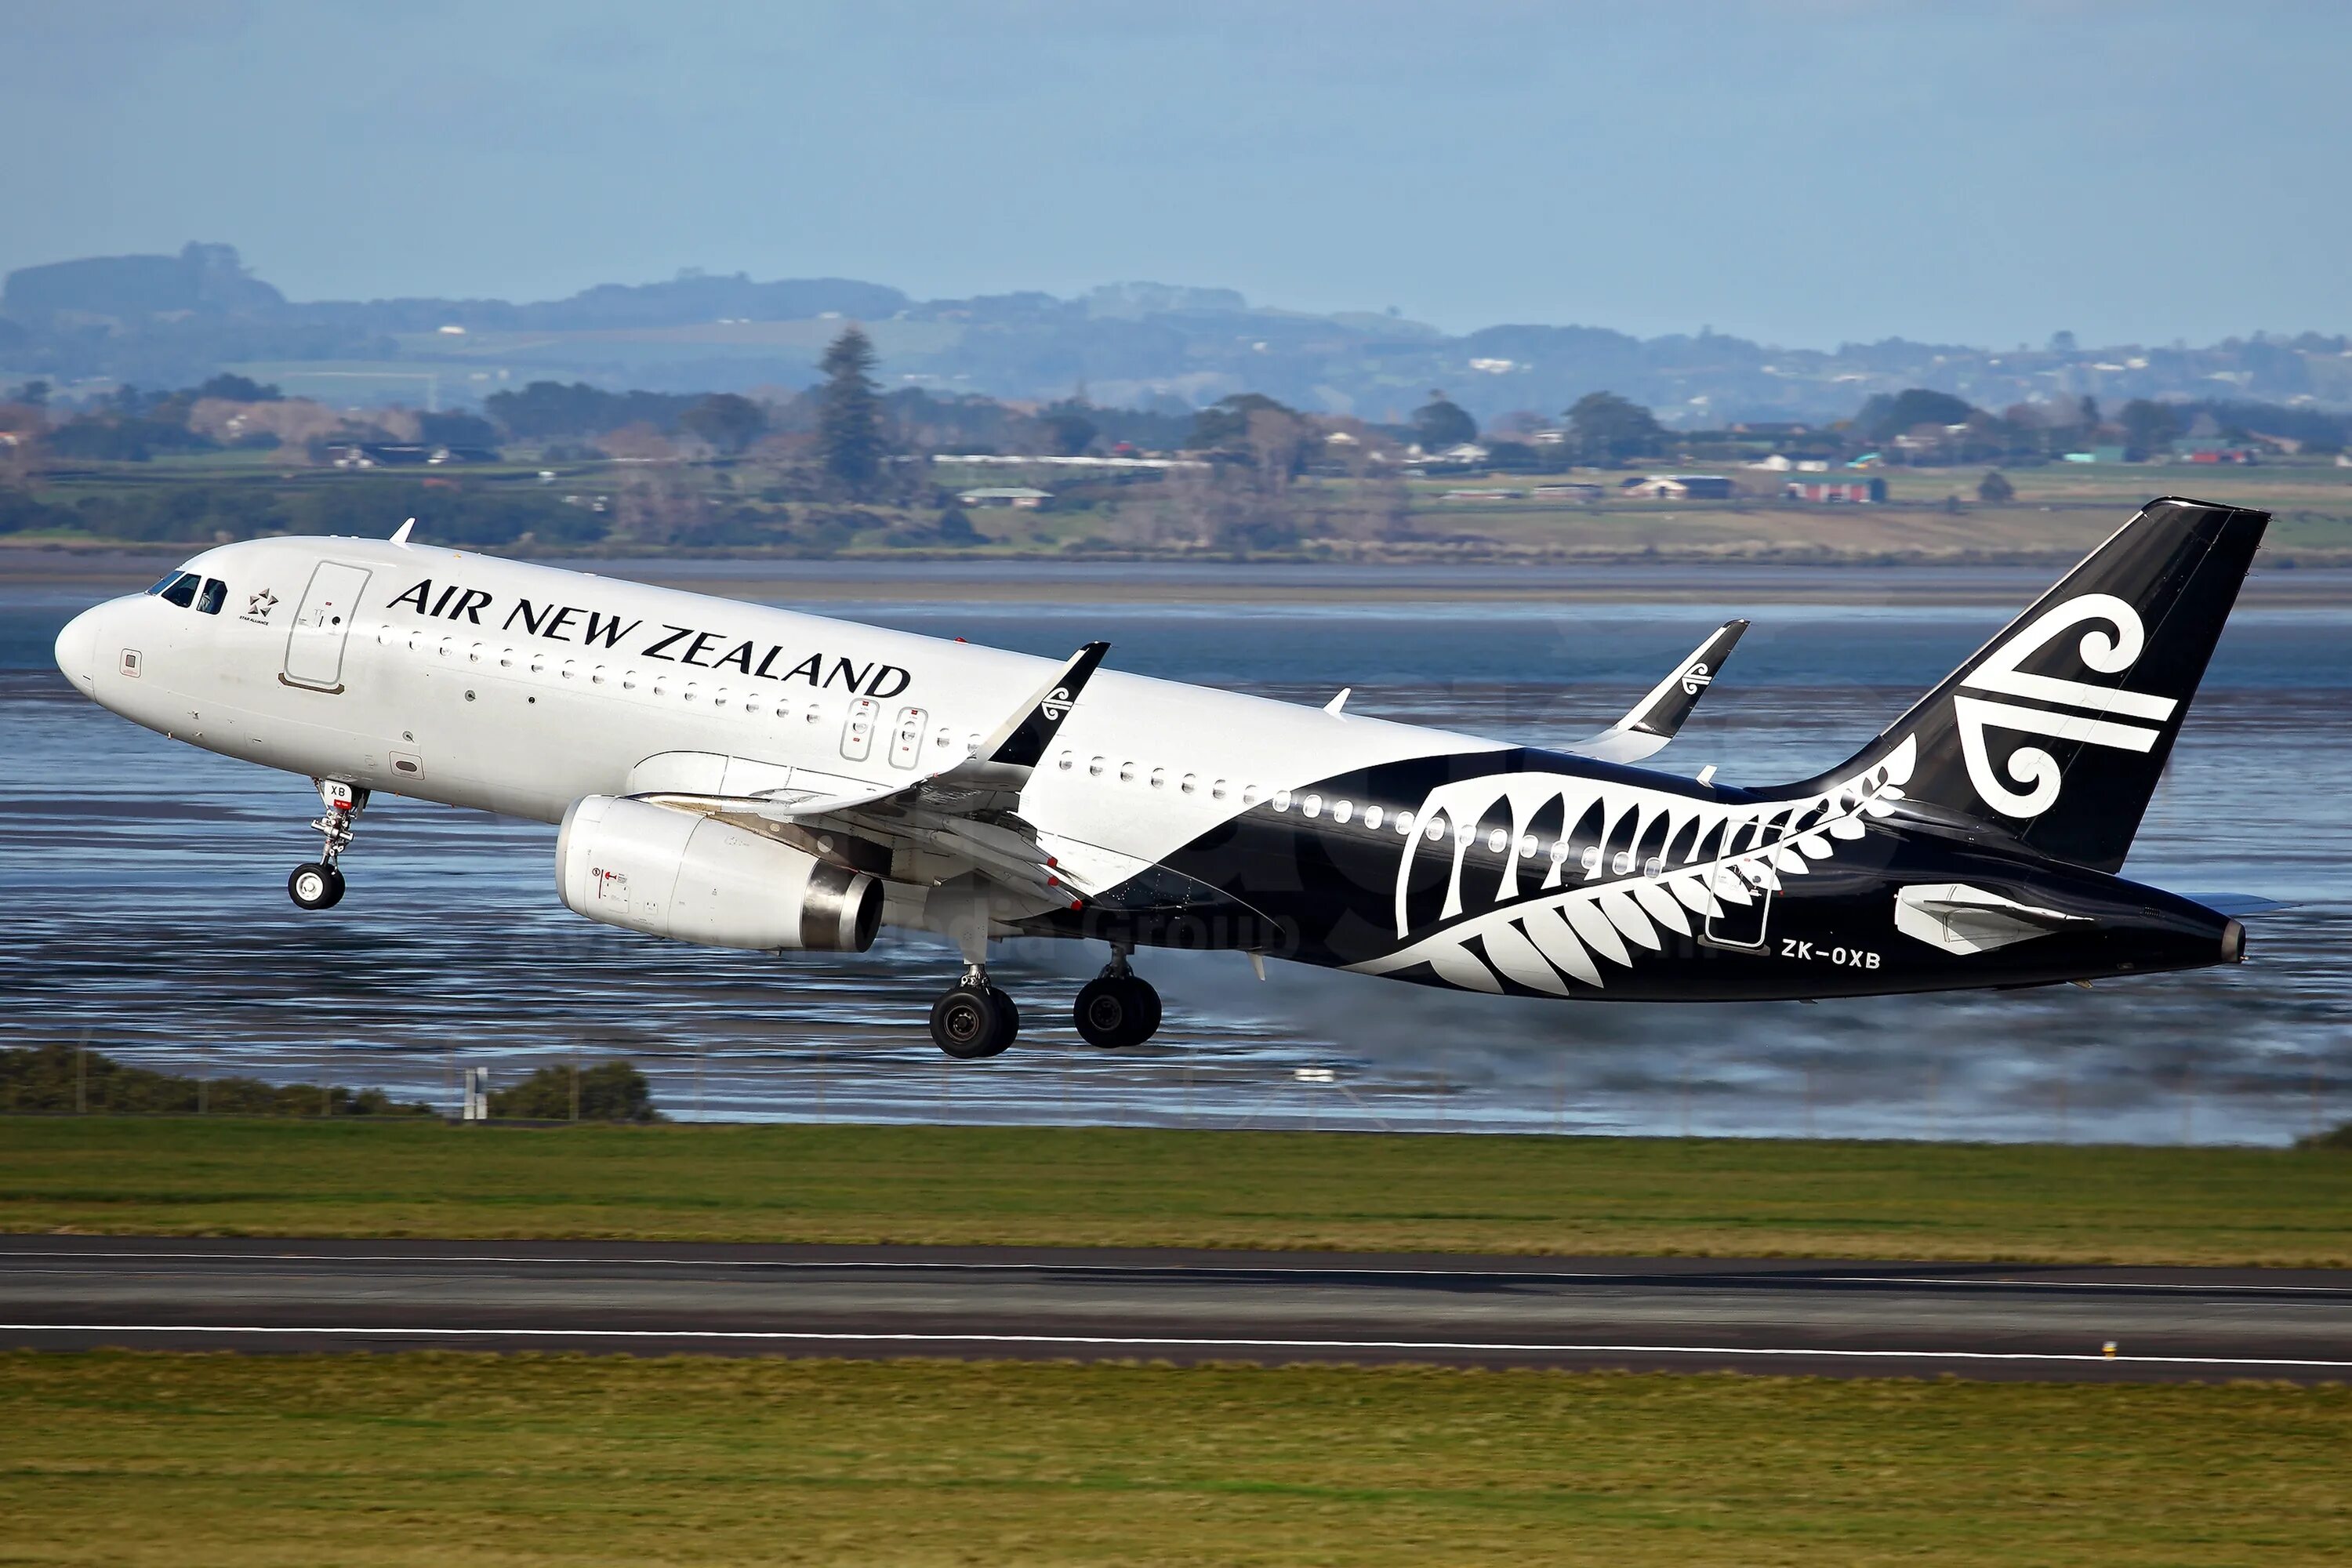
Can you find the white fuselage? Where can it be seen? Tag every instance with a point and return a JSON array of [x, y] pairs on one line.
[[518, 688]]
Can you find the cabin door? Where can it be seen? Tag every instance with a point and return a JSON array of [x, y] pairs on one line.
[[314, 648]]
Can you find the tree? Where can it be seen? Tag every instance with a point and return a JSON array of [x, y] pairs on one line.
[[1606, 428], [1883, 417], [2149, 426], [849, 413], [238, 389], [1070, 429], [1224, 424], [1441, 423], [1994, 489], [611, 1092], [727, 422]]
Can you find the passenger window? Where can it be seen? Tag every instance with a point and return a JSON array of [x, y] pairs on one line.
[[182, 593], [1373, 816], [214, 595], [1344, 810]]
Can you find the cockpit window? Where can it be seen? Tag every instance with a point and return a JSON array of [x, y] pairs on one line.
[[183, 591], [214, 595], [166, 580]]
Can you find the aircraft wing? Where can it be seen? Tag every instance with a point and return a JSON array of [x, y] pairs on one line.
[[1656, 717], [964, 817]]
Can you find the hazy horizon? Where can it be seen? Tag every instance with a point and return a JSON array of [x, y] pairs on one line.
[[1799, 174]]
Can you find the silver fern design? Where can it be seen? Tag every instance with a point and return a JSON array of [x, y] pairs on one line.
[[1565, 915]]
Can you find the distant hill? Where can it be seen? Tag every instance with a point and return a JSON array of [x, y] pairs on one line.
[[176, 319]]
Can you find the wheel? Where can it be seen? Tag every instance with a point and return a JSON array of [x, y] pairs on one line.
[[1114, 1011], [315, 887], [969, 1023]]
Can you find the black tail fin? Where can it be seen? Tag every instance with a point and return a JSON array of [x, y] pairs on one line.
[[2058, 729]]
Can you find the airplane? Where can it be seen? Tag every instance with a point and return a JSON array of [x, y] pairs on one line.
[[747, 777]]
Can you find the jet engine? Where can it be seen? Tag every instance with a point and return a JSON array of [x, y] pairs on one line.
[[678, 874]]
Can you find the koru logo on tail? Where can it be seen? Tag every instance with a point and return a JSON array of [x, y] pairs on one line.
[[1056, 704], [1695, 676], [2027, 781]]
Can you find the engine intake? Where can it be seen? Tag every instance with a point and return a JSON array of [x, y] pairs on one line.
[[677, 874]]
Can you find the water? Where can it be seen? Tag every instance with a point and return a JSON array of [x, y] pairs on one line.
[[145, 886]]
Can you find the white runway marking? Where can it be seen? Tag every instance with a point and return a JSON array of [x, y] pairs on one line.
[[1454, 1347]]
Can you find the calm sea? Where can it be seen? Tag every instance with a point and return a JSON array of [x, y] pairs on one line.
[[143, 883]]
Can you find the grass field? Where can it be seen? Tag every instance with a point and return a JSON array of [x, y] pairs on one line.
[[1122, 1187], [124, 1459]]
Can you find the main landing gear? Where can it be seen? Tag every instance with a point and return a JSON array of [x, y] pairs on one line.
[[975, 1019], [318, 884], [1115, 1009], [1118, 1007]]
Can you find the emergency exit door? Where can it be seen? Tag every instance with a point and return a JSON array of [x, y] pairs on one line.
[[314, 648]]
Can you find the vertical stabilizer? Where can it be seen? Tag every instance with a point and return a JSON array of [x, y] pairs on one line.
[[2058, 729]]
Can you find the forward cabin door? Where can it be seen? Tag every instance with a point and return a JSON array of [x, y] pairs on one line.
[[314, 648]]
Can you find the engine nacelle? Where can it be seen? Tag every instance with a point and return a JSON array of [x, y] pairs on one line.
[[678, 874]]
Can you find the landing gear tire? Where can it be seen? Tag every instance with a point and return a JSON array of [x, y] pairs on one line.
[[1114, 1011], [974, 1021], [315, 887]]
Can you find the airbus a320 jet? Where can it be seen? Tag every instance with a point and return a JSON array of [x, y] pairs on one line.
[[746, 777]]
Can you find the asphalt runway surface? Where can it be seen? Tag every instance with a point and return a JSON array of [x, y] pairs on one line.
[[1861, 1319]]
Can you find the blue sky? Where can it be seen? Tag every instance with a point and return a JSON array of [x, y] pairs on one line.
[[1800, 170]]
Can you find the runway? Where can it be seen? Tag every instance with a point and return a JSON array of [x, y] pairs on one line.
[[1875, 1318]]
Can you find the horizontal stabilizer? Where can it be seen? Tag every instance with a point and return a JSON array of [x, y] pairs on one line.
[[1957, 918]]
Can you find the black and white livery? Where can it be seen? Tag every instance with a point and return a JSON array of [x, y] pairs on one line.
[[747, 777]]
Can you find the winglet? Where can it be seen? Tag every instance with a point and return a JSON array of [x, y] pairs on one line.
[[1021, 740], [1339, 701], [1655, 719], [400, 534], [1661, 712]]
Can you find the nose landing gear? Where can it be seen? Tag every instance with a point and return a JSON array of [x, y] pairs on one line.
[[1118, 1007], [318, 884], [976, 1019]]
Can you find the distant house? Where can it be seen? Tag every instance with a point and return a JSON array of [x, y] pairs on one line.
[[2212, 452], [1776, 463], [1479, 494], [1020, 497], [1836, 492], [1587, 493], [2097, 454], [1677, 487], [402, 454]]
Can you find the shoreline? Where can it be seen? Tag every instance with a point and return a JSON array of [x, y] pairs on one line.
[[1997, 579]]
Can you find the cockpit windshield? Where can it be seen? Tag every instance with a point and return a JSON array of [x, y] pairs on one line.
[[188, 589]]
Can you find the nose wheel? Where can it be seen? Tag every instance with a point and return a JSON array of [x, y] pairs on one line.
[[1117, 1009], [975, 1019], [318, 884], [315, 886]]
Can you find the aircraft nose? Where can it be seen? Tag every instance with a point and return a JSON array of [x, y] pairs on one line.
[[77, 650]]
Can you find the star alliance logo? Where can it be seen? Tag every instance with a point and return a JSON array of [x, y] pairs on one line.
[[258, 606]]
